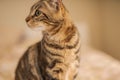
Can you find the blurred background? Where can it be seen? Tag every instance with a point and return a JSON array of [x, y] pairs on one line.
[[97, 20]]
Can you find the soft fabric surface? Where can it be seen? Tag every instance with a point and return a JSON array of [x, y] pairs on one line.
[[95, 65]]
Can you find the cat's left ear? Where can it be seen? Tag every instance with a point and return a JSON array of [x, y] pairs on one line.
[[56, 3]]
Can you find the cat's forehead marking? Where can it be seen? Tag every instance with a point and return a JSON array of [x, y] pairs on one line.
[[36, 5]]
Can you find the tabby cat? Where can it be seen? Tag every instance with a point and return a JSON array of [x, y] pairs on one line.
[[56, 56]]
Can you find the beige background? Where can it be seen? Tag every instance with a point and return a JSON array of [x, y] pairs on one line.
[[101, 19], [98, 21]]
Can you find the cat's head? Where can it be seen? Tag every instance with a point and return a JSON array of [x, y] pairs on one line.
[[46, 14]]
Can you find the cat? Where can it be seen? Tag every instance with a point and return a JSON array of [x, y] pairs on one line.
[[56, 56]]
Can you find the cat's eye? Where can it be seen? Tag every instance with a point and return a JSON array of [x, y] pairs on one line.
[[37, 13]]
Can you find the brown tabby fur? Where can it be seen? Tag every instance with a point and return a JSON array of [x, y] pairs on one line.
[[56, 57]]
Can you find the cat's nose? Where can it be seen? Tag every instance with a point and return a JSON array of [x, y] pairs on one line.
[[28, 19]]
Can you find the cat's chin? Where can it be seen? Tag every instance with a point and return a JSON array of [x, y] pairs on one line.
[[38, 28]]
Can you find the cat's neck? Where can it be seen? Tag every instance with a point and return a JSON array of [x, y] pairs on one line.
[[62, 33], [66, 35]]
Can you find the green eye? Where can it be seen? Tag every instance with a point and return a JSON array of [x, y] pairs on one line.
[[37, 13]]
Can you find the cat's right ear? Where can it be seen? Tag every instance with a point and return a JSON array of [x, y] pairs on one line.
[[56, 3]]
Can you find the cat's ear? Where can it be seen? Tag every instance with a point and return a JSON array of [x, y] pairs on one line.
[[56, 0], [56, 3]]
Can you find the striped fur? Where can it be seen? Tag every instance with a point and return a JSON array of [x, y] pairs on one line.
[[56, 56]]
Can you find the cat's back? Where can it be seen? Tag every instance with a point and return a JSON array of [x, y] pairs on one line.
[[28, 67]]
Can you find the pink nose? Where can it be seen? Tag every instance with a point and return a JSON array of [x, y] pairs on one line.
[[28, 19]]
